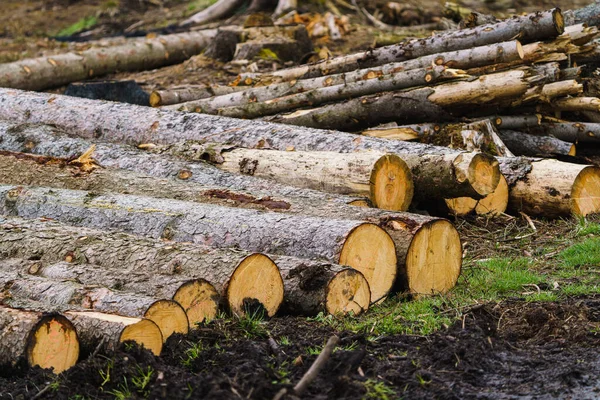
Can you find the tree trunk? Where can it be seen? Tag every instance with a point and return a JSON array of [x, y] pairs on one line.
[[551, 188], [30, 292], [47, 340], [94, 328], [411, 233], [517, 122], [47, 72], [135, 125], [523, 144], [327, 94], [589, 15], [573, 132], [220, 9], [180, 95], [528, 28], [576, 104], [413, 106], [363, 246]]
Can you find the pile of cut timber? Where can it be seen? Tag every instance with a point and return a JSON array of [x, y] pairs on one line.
[[121, 222]]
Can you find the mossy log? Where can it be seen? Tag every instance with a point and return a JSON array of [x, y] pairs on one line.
[[45, 340]]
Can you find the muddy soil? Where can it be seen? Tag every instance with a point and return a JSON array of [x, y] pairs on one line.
[[511, 350]]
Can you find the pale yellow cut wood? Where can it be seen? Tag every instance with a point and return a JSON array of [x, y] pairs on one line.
[[496, 202], [146, 333], [348, 292], [461, 206], [391, 184], [405, 134], [482, 173], [434, 259], [53, 344], [370, 250], [256, 278], [586, 192], [199, 299], [169, 316]]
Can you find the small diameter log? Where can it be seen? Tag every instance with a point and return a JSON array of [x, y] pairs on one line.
[[517, 122], [94, 328], [218, 10], [166, 97], [528, 28], [138, 125], [363, 246], [573, 132], [417, 105], [328, 94], [551, 188], [385, 179], [27, 291], [468, 58], [46, 340], [409, 231], [523, 144], [98, 258], [576, 104], [46, 72], [493, 204]]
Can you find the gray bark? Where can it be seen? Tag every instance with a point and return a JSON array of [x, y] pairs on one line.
[[523, 144], [180, 95]]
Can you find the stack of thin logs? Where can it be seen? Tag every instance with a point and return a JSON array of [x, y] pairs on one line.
[[134, 223]]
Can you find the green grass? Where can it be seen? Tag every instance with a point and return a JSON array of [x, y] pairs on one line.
[[378, 390], [584, 254], [586, 229], [79, 26]]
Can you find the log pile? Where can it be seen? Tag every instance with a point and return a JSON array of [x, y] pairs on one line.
[[132, 223]]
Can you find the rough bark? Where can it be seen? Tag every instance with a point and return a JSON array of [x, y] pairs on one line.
[[413, 106], [46, 72], [363, 246], [468, 58], [529, 28], [220, 9], [589, 15], [576, 104], [29, 335], [400, 80], [180, 95], [523, 144], [551, 188], [108, 331], [572, 132], [135, 125], [408, 231]]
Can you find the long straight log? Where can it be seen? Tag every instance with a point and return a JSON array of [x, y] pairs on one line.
[[401, 80], [166, 97], [573, 132], [108, 331], [27, 291], [411, 233], [551, 188], [523, 144], [413, 106], [137, 125], [461, 59], [363, 246], [528, 28], [46, 340], [46, 72]]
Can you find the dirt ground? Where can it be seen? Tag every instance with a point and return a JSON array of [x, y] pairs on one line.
[[514, 349]]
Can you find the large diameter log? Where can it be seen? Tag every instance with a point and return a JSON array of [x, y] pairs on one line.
[[136, 125], [46, 72], [410, 232], [363, 246], [181, 95], [523, 144], [552, 188], [461, 59], [528, 28], [110, 330], [27, 291], [417, 105], [46, 340]]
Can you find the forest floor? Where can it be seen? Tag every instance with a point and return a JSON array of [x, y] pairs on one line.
[[522, 323]]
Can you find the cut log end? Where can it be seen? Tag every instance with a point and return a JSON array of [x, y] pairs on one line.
[[494, 203], [169, 316], [434, 259], [370, 250], [559, 21], [520, 50], [155, 100], [483, 174], [573, 150], [256, 279], [461, 206], [199, 299], [53, 344], [145, 333], [391, 184], [348, 292], [585, 193]]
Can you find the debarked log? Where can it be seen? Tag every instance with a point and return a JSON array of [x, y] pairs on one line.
[[551, 188], [47, 340], [363, 246]]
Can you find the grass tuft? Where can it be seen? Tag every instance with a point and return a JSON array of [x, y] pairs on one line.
[[79, 26]]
